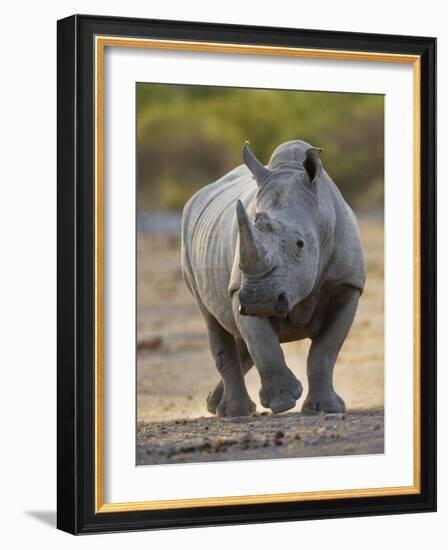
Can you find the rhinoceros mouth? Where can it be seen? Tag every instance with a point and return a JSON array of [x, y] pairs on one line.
[[279, 307]]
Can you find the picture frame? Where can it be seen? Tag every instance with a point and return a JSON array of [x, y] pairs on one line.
[[82, 42]]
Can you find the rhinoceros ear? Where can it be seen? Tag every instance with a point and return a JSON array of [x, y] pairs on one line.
[[259, 171], [312, 163]]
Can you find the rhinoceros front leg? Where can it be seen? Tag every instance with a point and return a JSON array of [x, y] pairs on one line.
[[324, 351], [235, 400], [280, 389]]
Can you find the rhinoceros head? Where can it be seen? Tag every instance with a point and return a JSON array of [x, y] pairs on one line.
[[279, 248]]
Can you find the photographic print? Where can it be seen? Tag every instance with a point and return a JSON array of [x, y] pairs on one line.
[[260, 274]]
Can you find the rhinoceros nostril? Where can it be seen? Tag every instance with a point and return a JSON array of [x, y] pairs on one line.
[[282, 303], [242, 310]]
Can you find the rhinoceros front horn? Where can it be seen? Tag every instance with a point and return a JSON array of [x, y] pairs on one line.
[[253, 256], [259, 171]]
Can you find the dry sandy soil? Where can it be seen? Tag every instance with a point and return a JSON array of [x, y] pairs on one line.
[[175, 373]]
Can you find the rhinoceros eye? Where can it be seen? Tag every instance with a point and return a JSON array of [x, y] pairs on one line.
[[300, 243]]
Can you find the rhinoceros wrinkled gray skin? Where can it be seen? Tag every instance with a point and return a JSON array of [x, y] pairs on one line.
[[273, 254]]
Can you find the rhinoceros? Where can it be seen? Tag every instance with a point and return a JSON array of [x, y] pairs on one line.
[[273, 254]]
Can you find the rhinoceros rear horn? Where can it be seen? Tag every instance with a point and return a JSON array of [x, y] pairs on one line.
[[259, 171], [312, 163], [253, 257]]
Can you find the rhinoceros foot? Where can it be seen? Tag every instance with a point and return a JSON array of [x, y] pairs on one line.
[[329, 402], [220, 404], [241, 406], [280, 392]]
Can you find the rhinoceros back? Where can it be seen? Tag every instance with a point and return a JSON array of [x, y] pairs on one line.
[[209, 235]]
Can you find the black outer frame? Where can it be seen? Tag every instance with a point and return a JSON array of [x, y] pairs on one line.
[[75, 173]]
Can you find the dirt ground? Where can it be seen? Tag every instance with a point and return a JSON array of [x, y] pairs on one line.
[[175, 373]]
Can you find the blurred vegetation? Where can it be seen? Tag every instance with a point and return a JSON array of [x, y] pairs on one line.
[[189, 136]]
